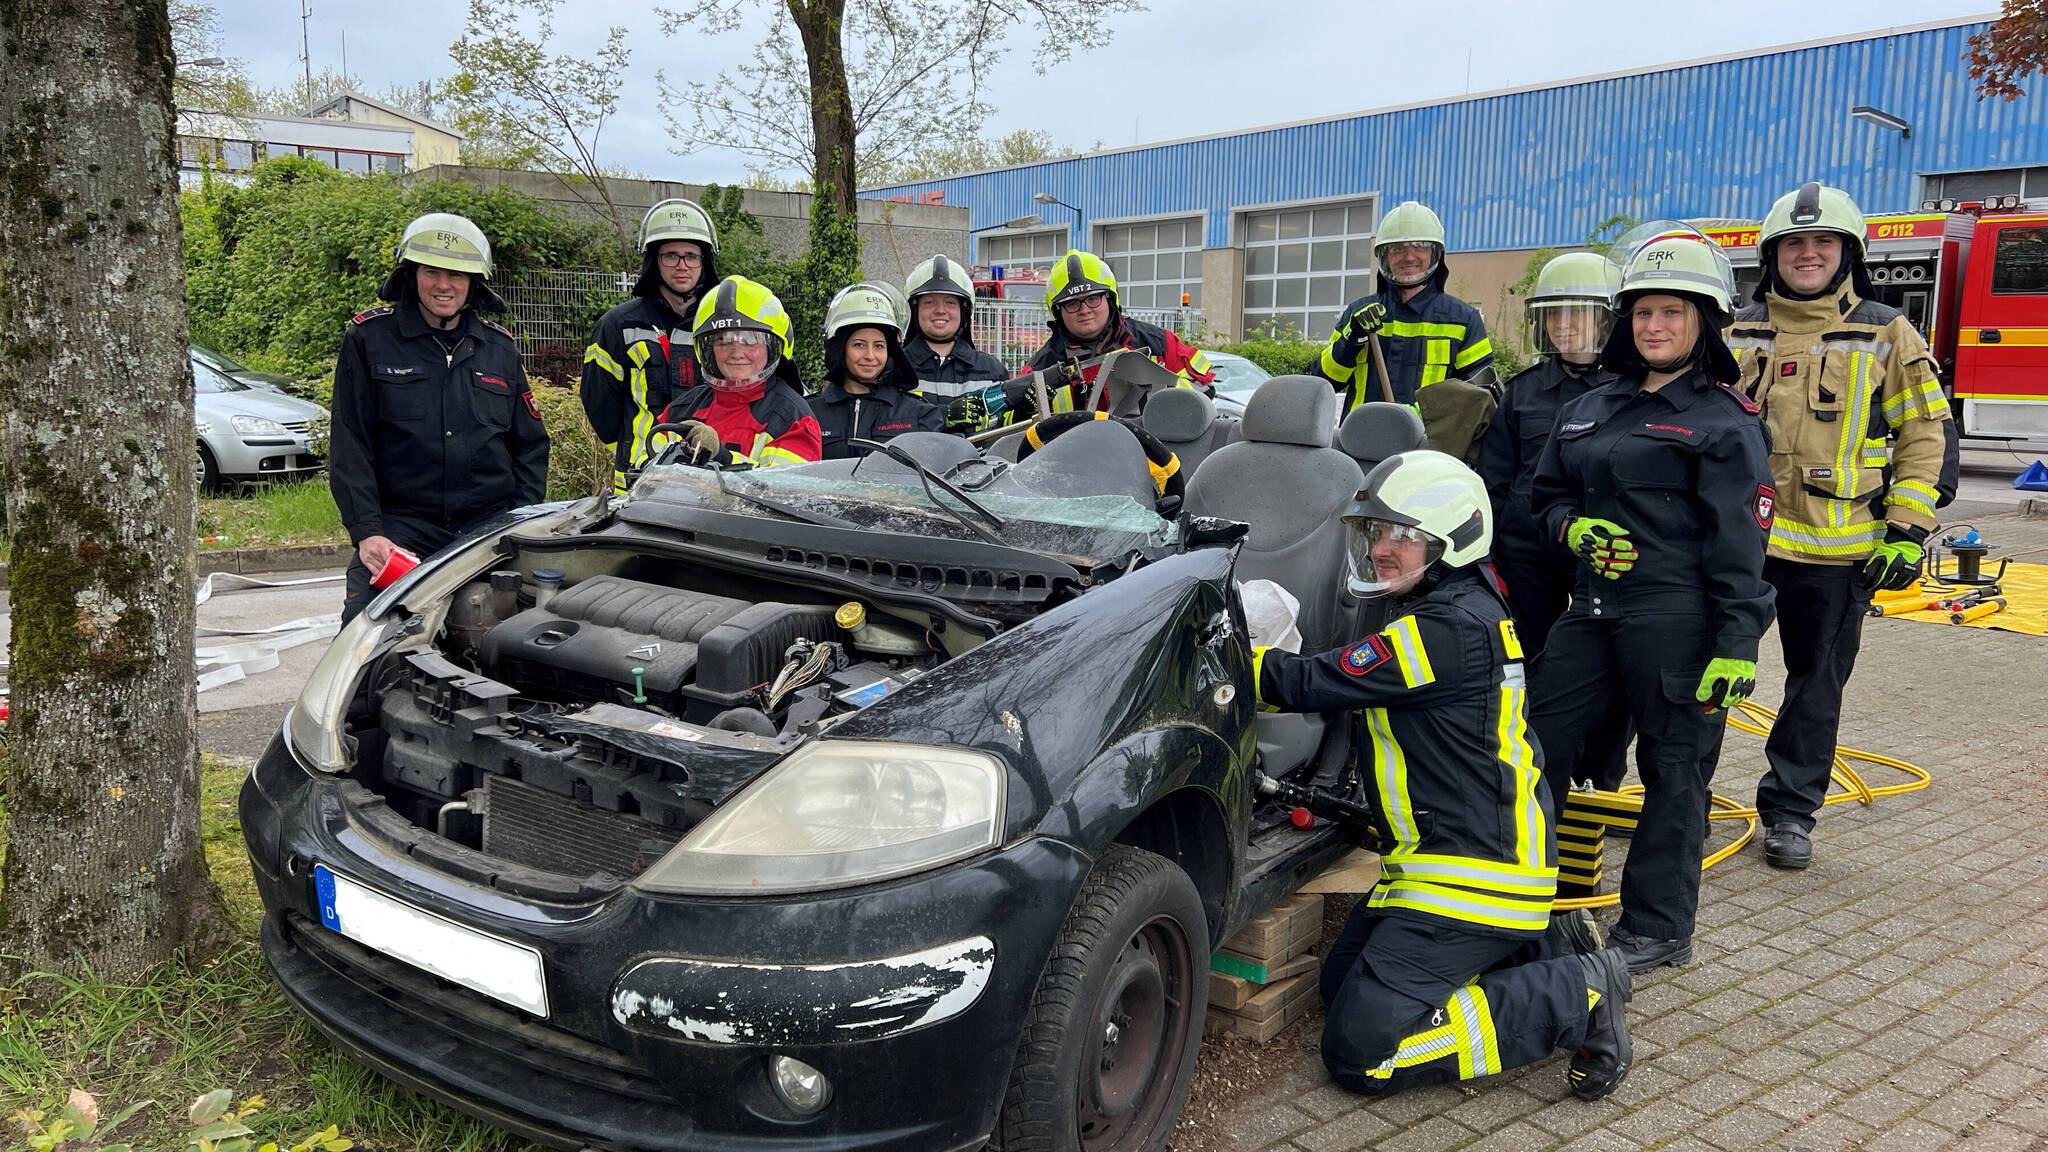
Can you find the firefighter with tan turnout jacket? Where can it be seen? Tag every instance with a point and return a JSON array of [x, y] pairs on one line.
[[1450, 969], [640, 355], [1858, 426]]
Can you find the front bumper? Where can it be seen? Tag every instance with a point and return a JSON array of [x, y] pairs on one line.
[[663, 1011], [275, 457]]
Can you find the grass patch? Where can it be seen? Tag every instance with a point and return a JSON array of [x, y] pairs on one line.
[[270, 517], [180, 1034]]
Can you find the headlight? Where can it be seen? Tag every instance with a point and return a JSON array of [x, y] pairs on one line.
[[839, 813], [256, 426], [314, 725]]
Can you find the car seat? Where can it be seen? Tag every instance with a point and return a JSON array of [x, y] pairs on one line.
[[1185, 420], [1377, 430]]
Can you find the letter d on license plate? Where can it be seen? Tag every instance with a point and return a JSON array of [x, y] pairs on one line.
[[434, 944]]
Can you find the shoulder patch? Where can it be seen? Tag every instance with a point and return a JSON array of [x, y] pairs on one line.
[[373, 313], [1736, 394], [1766, 505], [1367, 655], [494, 326]]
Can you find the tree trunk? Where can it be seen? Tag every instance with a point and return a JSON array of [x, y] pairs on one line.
[[104, 870], [832, 128]]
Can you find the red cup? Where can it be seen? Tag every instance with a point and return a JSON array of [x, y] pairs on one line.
[[397, 564]]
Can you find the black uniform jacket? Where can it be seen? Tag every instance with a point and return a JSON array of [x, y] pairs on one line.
[[1514, 443], [1455, 778], [1686, 469], [878, 415], [962, 364], [431, 426]]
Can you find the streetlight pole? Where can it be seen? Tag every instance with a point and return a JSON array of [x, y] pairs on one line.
[[1080, 220]]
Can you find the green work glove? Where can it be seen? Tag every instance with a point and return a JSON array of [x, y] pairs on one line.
[[1726, 683], [1602, 544], [1894, 564]]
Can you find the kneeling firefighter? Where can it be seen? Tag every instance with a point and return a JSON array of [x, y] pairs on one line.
[[1443, 972], [752, 397]]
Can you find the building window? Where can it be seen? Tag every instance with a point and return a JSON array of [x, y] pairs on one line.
[[2020, 267], [1303, 265], [391, 164], [324, 155], [197, 151], [1022, 251], [355, 163], [2026, 183], [1155, 264], [240, 155]]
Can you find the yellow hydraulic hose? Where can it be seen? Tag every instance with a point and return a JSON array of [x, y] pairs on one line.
[[1757, 720]]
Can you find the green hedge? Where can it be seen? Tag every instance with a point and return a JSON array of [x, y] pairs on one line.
[[1280, 357], [274, 269]]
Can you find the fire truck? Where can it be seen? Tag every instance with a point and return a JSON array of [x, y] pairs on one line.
[[1973, 278]]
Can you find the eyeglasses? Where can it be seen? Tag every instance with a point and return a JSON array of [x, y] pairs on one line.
[[1410, 248], [1074, 304], [1377, 530], [681, 259], [740, 339]]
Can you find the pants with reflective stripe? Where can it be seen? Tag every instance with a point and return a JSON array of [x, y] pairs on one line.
[[1652, 662], [1539, 590], [1419, 1000], [1820, 625]]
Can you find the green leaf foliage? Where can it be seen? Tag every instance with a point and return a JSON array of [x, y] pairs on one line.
[[1281, 357], [276, 268]]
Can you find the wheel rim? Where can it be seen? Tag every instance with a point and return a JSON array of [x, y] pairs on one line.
[[1136, 1033]]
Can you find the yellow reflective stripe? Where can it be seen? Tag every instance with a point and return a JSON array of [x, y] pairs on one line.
[[1913, 495], [595, 354], [1480, 1055], [1258, 666], [1468, 872], [1510, 640], [1436, 352], [1341, 373], [1433, 374], [1161, 473], [643, 420], [1196, 363], [769, 456], [1390, 774], [1519, 755], [1421, 1048], [1463, 904], [1062, 400], [1923, 399], [618, 482], [1477, 350], [1410, 651], [639, 354], [1417, 328], [1825, 541]]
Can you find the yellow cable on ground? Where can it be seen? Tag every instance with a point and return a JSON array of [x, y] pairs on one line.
[[1756, 720]]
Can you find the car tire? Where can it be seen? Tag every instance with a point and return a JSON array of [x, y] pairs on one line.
[[1108, 1051], [205, 472]]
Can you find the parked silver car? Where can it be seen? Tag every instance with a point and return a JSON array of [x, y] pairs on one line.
[[249, 434], [267, 381], [1236, 379]]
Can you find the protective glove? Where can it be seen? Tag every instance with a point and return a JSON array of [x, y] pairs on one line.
[[1726, 683], [1602, 544], [1894, 564], [693, 443], [967, 414], [1358, 328], [1018, 397]]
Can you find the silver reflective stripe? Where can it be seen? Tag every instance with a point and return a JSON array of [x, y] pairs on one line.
[[1474, 1031], [1533, 915], [946, 388], [1472, 877], [1512, 676], [1879, 348]]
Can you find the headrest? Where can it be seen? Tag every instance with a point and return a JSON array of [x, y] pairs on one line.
[[1377, 430], [1292, 410], [1179, 415]]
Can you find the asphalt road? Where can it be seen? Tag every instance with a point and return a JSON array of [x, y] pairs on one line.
[[238, 719]]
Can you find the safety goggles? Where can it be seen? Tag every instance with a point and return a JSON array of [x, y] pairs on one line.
[[743, 338], [1410, 248]]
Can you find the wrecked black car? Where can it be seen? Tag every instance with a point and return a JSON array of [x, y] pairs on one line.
[[891, 803]]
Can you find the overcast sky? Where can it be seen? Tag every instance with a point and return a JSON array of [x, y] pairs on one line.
[[1185, 68]]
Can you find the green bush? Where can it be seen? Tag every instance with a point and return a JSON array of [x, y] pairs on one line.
[[1279, 355], [274, 269], [578, 464]]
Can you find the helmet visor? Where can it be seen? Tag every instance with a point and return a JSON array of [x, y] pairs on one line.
[[1409, 262], [1382, 558], [1569, 327]]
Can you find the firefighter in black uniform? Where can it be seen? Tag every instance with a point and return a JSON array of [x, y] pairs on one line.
[[870, 392], [434, 429], [1660, 481], [640, 355], [961, 379], [1442, 973]]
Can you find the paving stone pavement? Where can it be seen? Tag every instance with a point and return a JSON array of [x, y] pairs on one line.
[[1892, 997]]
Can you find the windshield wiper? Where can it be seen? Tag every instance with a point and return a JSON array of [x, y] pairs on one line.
[[821, 519], [929, 478]]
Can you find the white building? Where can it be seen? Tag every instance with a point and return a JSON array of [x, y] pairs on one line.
[[230, 145]]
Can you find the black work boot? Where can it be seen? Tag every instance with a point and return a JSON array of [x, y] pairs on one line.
[[1788, 846], [1601, 1062], [1572, 933], [1647, 953]]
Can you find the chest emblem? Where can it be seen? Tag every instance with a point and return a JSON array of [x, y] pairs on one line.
[[1788, 368], [1579, 426]]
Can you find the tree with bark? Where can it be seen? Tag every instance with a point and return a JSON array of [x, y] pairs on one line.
[[845, 91], [2014, 47], [103, 871], [520, 104]]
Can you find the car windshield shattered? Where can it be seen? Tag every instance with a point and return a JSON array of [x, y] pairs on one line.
[[882, 495]]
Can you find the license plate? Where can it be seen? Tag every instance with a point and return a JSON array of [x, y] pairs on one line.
[[434, 944]]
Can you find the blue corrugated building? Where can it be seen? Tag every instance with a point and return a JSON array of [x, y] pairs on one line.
[[1272, 226]]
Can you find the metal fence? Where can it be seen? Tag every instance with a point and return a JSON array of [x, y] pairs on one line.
[[1013, 331], [552, 311]]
